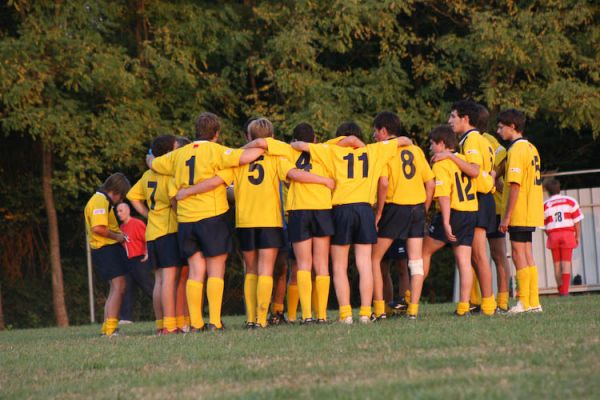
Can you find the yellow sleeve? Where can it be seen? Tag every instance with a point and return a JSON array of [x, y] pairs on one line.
[[500, 155], [100, 212], [283, 167], [137, 192], [227, 175], [514, 167], [386, 150], [172, 188], [471, 152], [387, 170], [229, 158], [335, 140], [443, 183], [321, 153], [278, 148], [165, 164]]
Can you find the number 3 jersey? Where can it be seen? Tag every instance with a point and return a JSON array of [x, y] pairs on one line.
[[191, 164], [356, 171], [257, 191], [303, 196], [451, 182], [153, 189], [523, 168], [407, 173]]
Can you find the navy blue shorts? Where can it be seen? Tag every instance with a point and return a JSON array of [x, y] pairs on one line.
[[397, 251], [260, 238], [306, 224], [402, 221], [462, 224], [211, 236], [496, 234], [164, 252], [110, 261], [354, 224], [486, 212], [523, 234]]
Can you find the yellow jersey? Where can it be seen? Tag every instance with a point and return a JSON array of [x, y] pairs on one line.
[[99, 211], [257, 191], [356, 171], [153, 188], [478, 151], [303, 196], [499, 157], [523, 166], [195, 162], [451, 182], [407, 172]]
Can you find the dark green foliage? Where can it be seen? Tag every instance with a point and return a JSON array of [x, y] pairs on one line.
[[95, 81]]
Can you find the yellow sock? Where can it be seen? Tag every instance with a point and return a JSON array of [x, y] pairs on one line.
[[305, 292], [345, 311], [103, 329], [322, 283], [379, 307], [488, 305], [475, 298], [250, 296], [462, 308], [193, 292], [407, 296], [534, 294], [523, 283], [186, 321], [413, 309], [214, 293], [111, 325], [502, 300], [277, 308], [180, 321], [364, 311], [158, 324], [264, 289], [170, 323], [314, 299], [292, 302]]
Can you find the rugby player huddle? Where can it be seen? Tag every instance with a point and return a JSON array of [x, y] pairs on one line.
[[341, 193]]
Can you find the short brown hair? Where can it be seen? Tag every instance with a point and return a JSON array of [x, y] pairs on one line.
[[444, 133], [117, 183], [260, 128], [207, 126], [552, 186]]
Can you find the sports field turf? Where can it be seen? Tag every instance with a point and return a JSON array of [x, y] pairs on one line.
[[551, 355]]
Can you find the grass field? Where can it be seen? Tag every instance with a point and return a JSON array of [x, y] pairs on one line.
[[551, 355]]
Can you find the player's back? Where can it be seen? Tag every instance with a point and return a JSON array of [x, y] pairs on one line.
[[407, 173], [153, 188], [561, 212], [478, 150], [451, 182]]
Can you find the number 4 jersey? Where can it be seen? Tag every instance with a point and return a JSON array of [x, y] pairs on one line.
[[523, 168], [451, 182], [153, 189]]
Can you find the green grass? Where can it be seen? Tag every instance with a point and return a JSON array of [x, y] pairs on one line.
[[551, 355]]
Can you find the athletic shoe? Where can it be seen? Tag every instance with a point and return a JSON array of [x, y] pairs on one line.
[[518, 308], [475, 309], [322, 321], [166, 332], [277, 319], [185, 329], [502, 311], [348, 320], [411, 317], [399, 307], [116, 333], [250, 326], [125, 322], [375, 318], [363, 319], [197, 330], [536, 309], [307, 321], [467, 314], [214, 328]]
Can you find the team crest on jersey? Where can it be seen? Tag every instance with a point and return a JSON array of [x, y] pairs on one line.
[[99, 211], [228, 152], [439, 183], [515, 170], [472, 151]]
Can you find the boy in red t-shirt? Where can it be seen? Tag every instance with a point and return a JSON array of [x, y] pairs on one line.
[[562, 218]]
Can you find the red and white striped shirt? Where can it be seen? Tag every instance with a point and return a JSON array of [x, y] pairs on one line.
[[561, 213]]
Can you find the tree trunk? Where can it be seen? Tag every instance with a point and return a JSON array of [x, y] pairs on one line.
[[2, 325], [58, 291]]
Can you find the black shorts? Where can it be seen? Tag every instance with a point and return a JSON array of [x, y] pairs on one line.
[[212, 236], [521, 234], [496, 234], [462, 224], [486, 212], [402, 221], [110, 261], [260, 238], [397, 251], [306, 224], [354, 224], [164, 252]]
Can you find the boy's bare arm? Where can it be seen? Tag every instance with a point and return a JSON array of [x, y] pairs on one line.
[[302, 176], [382, 188], [140, 207], [429, 191], [200, 187], [513, 194]]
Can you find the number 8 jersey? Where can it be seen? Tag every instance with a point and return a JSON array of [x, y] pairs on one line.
[[523, 167], [407, 174]]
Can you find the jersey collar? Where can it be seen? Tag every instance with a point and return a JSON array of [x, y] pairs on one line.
[[464, 136], [110, 203], [515, 141]]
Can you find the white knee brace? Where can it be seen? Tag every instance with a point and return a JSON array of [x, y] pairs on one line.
[[416, 267]]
